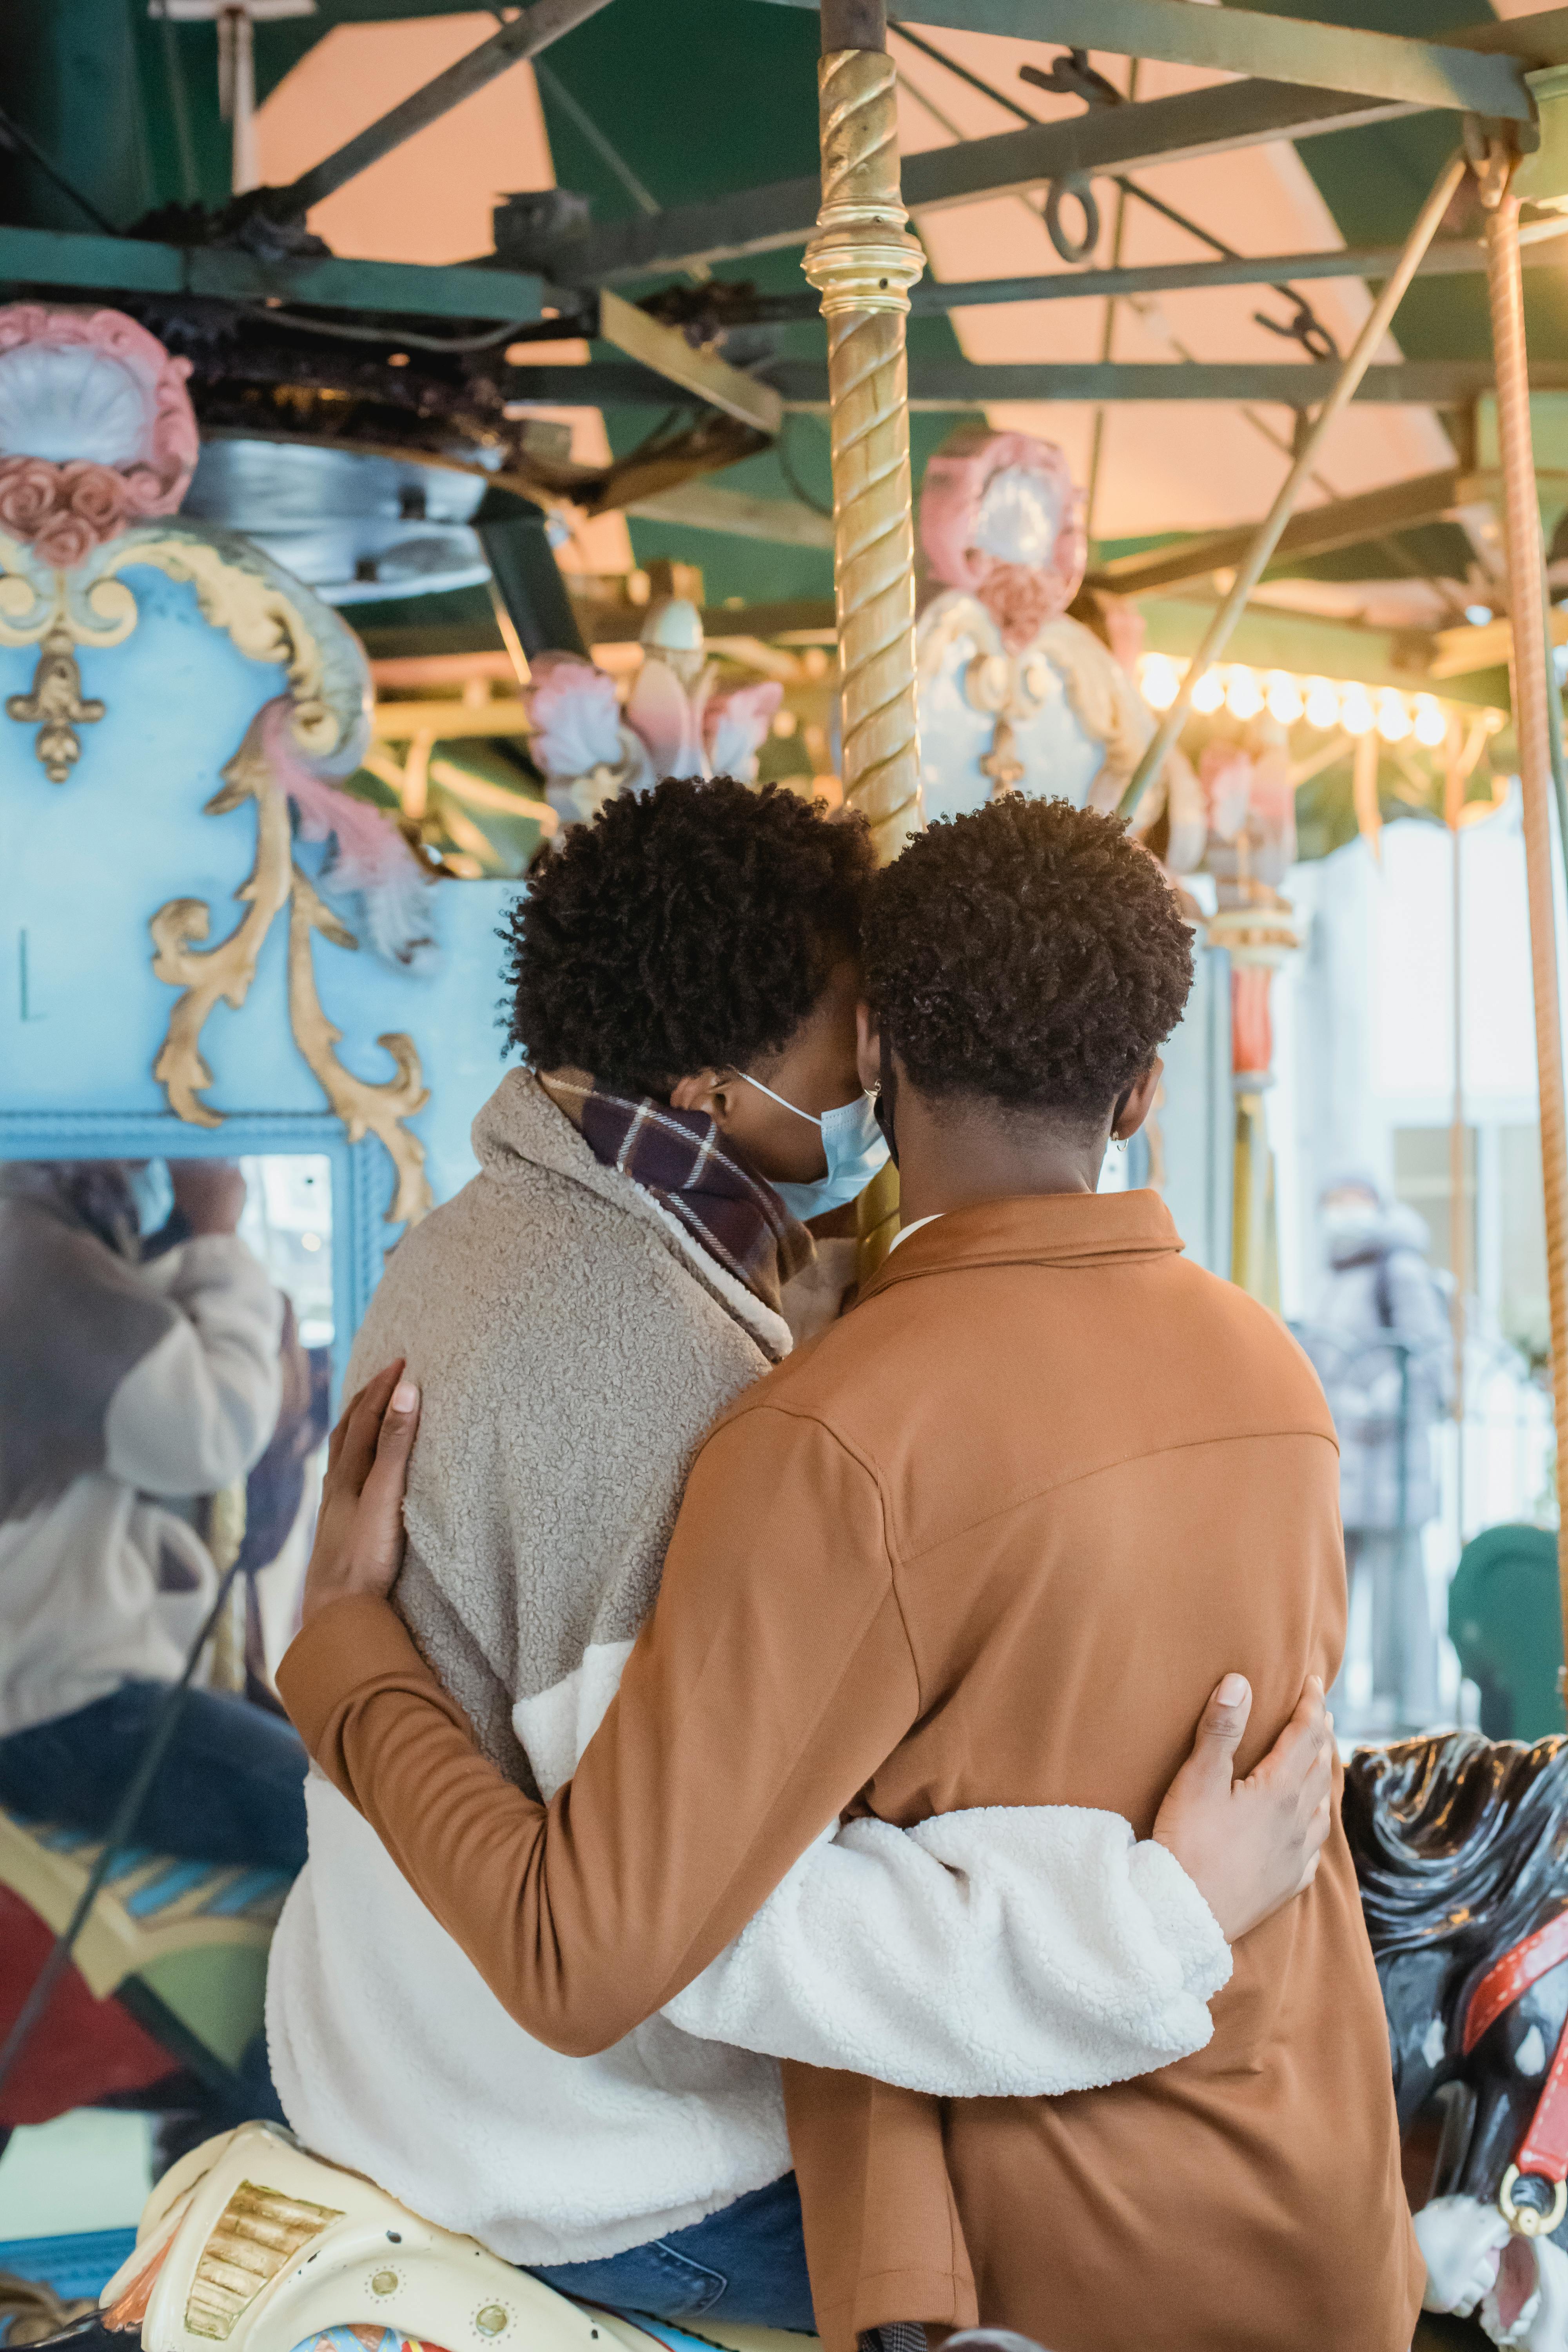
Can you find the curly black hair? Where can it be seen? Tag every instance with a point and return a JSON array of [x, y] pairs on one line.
[[693, 927], [1031, 953]]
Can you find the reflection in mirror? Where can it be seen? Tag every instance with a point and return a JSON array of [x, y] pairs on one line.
[[137, 1356], [287, 1222]]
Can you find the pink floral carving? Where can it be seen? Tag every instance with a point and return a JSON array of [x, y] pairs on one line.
[[65, 540], [27, 494], [955, 482], [1020, 598], [66, 510]]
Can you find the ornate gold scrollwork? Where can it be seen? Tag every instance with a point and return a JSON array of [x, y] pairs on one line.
[[57, 612], [225, 972], [90, 605], [360, 1103], [256, 612]]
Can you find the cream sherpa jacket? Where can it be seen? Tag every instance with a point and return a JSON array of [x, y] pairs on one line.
[[574, 1344]]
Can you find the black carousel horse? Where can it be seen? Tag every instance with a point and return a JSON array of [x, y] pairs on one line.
[[1461, 1848]]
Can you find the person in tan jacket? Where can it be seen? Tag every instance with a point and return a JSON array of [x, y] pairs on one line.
[[976, 1546]]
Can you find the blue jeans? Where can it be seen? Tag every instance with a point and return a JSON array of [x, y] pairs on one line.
[[231, 1787], [745, 2263]]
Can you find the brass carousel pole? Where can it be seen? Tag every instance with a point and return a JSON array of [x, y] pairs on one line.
[[1527, 601], [863, 262]]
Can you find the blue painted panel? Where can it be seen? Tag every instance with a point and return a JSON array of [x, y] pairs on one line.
[[84, 866], [80, 2264]]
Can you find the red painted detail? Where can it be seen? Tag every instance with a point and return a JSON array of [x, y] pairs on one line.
[[1513, 1974], [82, 2049]]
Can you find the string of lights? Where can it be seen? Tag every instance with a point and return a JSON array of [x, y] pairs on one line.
[[1320, 702]]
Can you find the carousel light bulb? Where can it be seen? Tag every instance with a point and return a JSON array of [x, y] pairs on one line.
[[1243, 695], [1160, 681], [1392, 716], [1285, 702], [1322, 704], [1356, 713], [1430, 724], [1208, 693]]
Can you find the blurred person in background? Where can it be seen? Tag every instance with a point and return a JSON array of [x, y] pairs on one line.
[[1382, 1345], [136, 1380]]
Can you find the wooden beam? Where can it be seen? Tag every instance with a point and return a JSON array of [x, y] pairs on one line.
[[665, 349], [701, 505], [1457, 653], [449, 721]]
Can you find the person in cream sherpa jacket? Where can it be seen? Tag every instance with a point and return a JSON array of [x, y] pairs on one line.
[[576, 1332]]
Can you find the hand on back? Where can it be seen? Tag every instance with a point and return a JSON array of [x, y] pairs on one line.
[[1248, 1845], [358, 1549], [1251, 1845]]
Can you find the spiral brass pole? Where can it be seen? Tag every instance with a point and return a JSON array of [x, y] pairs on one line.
[[862, 261], [1527, 603]]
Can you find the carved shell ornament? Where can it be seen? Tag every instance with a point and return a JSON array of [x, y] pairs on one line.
[[98, 444]]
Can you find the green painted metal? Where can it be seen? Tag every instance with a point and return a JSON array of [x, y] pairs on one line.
[[754, 219], [1505, 1619], [50, 257], [701, 97], [1542, 177], [942, 384], [1243, 41]]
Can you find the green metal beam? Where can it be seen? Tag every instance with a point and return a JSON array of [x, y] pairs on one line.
[[1452, 258], [1317, 531], [53, 259], [1109, 138], [1241, 41], [938, 385]]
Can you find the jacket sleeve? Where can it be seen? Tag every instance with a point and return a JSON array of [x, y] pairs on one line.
[[199, 1407], [773, 1678], [986, 1954]]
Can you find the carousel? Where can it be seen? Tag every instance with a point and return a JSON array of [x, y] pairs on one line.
[[320, 620]]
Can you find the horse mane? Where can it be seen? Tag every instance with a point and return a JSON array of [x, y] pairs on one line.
[[1458, 1839]]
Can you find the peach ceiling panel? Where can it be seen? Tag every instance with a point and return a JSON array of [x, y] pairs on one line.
[[1163, 467], [431, 199]]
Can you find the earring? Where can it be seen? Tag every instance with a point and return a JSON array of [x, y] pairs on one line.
[[1119, 1143]]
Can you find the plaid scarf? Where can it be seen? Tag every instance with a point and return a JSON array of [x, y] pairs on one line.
[[680, 1157]]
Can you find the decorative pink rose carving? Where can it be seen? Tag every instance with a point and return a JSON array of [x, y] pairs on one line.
[[1020, 599], [65, 540], [27, 495], [64, 509], [97, 495]]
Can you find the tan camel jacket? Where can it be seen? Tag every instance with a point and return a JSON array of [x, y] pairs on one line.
[[988, 1541]]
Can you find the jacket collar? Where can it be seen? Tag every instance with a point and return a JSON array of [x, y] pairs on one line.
[[1070, 1230], [521, 1124]]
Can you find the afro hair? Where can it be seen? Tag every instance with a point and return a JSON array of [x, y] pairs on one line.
[[690, 928], [1031, 953]]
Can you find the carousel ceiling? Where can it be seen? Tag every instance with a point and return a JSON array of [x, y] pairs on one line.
[[633, 344]]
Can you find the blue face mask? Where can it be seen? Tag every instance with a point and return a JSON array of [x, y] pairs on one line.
[[856, 1149], [151, 1196]]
